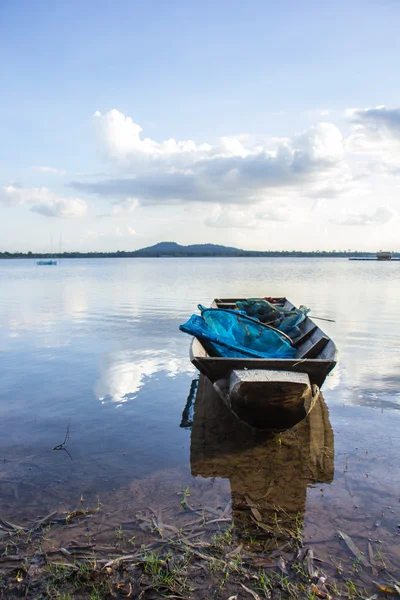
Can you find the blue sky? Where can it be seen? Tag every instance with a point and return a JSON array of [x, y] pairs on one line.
[[263, 91]]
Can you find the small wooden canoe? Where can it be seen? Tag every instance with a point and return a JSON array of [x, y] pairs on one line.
[[266, 392]]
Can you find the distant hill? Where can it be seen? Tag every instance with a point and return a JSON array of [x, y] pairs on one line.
[[174, 249]]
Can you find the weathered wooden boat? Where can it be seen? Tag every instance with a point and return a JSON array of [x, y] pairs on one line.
[[266, 392]]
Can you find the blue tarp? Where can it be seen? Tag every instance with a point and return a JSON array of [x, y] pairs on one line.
[[232, 334]]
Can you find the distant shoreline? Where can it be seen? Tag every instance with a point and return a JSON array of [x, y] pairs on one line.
[[174, 250], [141, 254]]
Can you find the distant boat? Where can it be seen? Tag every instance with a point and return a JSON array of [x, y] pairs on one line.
[[49, 261], [263, 391]]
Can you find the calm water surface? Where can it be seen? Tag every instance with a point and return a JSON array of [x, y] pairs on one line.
[[96, 343]]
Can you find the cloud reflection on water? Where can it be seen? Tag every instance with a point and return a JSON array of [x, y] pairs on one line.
[[124, 373]]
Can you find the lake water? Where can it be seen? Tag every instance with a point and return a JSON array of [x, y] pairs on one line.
[[95, 344]]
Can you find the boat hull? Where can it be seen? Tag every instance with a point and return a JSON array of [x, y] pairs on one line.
[[215, 367], [270, 394]]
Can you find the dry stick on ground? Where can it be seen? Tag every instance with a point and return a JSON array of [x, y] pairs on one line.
[[62, 446]]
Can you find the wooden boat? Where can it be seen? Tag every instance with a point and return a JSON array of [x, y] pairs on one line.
[[267, 392]]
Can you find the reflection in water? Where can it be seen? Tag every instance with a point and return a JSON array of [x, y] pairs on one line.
[[124, 373], [188, 411], [268, 474]]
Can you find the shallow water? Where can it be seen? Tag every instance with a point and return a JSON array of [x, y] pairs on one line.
[[96, 343]]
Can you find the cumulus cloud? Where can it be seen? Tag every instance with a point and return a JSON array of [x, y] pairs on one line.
[[231, 171], [121, 138], [375, 140], [377, 119], [381, 216], [43, 201]]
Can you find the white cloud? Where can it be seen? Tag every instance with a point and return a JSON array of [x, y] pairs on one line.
[[51, 170], [381, 216], [322, 144], [377, 119], [234, 170], [43, 201], [376, 139], [121, 139], [253, 182], [246, 187]]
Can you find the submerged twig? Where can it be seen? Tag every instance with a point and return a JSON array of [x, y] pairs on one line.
[[62, 446], [43, 522]]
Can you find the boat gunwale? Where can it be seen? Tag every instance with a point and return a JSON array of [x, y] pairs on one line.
[[243, 360]]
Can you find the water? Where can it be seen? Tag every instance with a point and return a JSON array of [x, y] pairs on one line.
[[95, 343]]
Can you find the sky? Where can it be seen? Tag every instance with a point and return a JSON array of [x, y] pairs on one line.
[[260, 125]]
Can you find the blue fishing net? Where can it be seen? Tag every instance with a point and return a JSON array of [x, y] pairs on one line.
[[260, 309], [283, 319], [232, 334], [289, 322]]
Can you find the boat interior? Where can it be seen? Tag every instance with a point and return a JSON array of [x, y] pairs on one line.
[[311, 343]]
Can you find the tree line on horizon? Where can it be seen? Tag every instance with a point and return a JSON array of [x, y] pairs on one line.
[[147, 253]]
